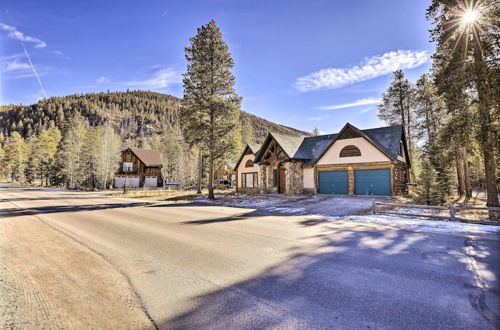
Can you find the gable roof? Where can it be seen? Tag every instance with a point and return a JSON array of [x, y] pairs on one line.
[[254, 148], [289, 143], [149, 157], [385, 139], [312, 148]]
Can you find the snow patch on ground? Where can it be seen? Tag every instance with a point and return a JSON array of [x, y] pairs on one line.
[[414, 224]]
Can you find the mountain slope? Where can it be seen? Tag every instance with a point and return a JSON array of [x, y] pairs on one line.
[[132, 114]]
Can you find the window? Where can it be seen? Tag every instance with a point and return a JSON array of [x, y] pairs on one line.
[[275, 178], [401, 149], [350, 151], [249, 180], [249, 163], [128, 167]]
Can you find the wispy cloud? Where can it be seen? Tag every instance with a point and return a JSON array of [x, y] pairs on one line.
[[16, 65], [103, 80], [158, 78], [367, 101], [365, 110], [369, 68], [13, 33]]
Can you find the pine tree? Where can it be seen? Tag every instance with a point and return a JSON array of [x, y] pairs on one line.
[[473, 47], [397, 105], [210, 107], [430, 112], [315, 131]]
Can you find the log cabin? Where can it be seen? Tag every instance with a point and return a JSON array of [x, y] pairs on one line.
[[139, 168]]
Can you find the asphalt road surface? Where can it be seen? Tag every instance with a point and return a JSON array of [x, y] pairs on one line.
[[211, 267]]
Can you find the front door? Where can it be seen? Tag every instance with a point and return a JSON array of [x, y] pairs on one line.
[[282, 181]]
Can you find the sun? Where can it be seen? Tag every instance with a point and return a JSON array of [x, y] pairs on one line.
[[470, 17]]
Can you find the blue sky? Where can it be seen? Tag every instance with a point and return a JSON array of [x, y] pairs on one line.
[[303, 64]]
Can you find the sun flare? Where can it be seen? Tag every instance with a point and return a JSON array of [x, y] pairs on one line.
[[470, 16]]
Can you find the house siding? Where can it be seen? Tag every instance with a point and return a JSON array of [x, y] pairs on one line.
[[369, 153], [242, 169]]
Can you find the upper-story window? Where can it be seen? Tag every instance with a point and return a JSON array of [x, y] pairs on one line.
[[128, 167], [249, 163], [350, 151], [401, 149]]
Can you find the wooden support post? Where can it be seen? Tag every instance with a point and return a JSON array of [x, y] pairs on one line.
[[373, 206], [452, 210]]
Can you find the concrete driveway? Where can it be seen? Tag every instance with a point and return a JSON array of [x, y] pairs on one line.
[[215, 267], [327, 205]]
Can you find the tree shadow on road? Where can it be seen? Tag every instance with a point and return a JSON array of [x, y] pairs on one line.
[[347, 277], [17, 212]]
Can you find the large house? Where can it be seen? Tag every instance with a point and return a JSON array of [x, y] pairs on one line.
[[139, 168], [351, 162]]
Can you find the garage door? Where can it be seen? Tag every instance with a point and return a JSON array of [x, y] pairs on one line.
[[151, 181], [372, 182], [119, 181], [333, 182], [131, 181]]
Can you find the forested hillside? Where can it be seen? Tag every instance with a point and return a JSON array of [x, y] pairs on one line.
[[74, 140], [133, 114]]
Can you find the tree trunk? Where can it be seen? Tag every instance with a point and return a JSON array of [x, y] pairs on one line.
[[200, 168], [467, 186], [486, 142], [460, 176], [211, 179]]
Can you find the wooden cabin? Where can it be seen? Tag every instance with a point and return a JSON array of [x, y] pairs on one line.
[[139, 168]]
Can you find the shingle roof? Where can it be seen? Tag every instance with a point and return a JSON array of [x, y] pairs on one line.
[[289, 143], [254, 147], [148, 156], [312, 147], [387, 138]]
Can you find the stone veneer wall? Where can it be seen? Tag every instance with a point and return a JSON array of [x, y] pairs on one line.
[[294, 178]]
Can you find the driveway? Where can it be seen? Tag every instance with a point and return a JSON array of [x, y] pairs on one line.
[[213, 267], [326, 205]]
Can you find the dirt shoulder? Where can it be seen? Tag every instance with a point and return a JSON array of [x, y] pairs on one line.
[[49, 281]]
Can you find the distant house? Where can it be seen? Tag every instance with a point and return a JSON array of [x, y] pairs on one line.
[[247, 171], [351, 162], [139, 168], [225, 171]]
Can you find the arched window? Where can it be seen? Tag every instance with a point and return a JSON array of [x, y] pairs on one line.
[[350, 151], [249, 163]]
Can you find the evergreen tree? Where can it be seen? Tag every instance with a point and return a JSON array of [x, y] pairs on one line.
[[429, 110], [210, 107], [472, 46], [396, 107]]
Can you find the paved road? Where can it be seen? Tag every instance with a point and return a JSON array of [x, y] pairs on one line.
[[208, 267]]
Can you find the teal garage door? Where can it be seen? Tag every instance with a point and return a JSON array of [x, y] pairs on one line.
[[372, 182], [333, 182]]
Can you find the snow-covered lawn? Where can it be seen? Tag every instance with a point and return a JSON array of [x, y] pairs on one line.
[[412, 224], [350, 209]]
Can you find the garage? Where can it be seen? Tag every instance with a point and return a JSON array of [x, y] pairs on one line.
[[151, 181], [131, 181], [333, 182], [372, 182]]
